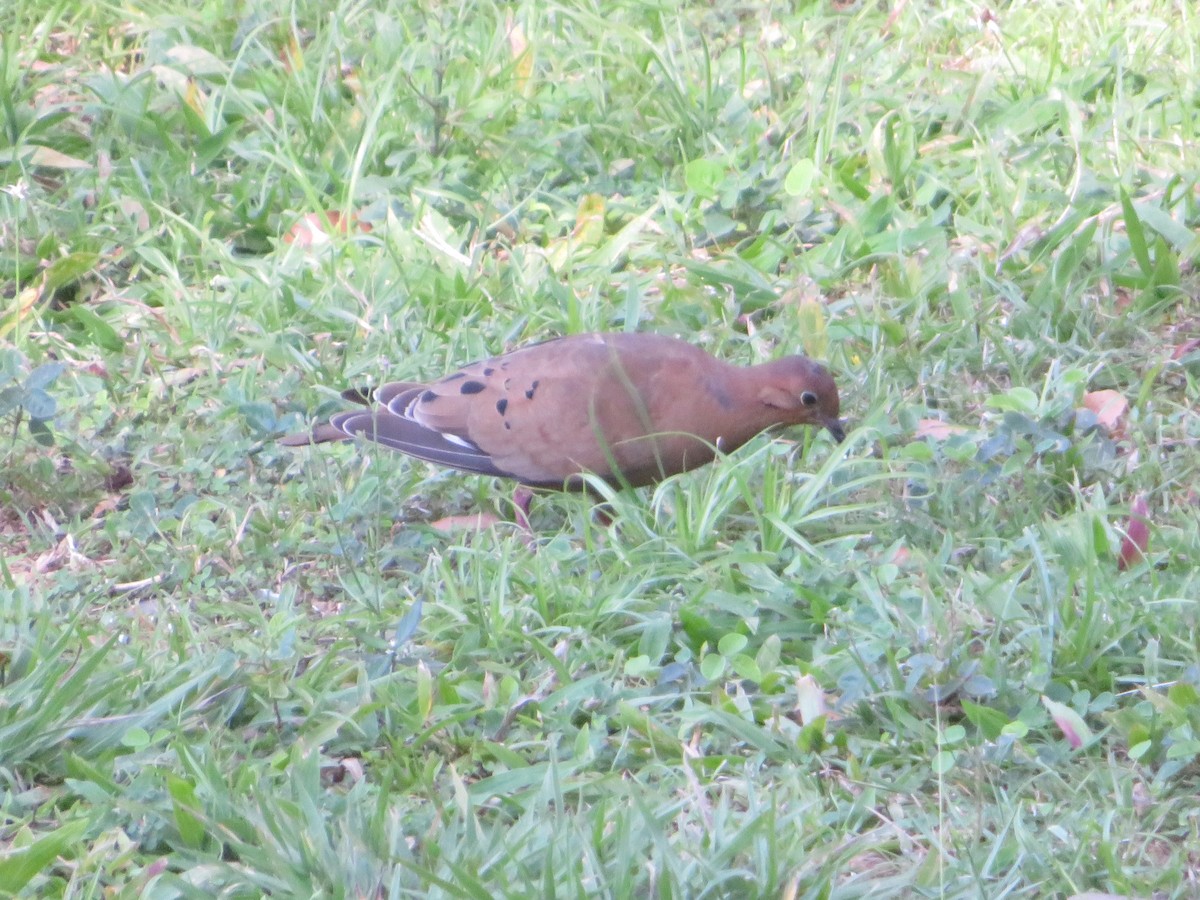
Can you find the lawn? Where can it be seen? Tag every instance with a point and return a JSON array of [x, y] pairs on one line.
[[957, 655]]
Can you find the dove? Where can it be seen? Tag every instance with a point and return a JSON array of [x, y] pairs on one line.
[[631, 409]]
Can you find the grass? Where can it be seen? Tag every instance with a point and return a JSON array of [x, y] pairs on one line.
[[921, 663]]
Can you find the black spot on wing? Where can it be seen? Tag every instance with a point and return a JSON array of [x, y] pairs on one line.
[[471, 387], [502, 405], [532, 390], [386, 393], [402, 402], [488, 371], [428, 397]]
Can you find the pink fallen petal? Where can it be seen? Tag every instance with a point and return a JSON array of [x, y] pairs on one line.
[[1137, 534], [1069, 722], [938, 430], [476, 522], [1109, 407]]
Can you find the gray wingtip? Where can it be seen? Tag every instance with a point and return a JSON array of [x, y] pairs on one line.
[[409, 437]]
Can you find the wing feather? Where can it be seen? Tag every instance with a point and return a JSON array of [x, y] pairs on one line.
[[407, 436]]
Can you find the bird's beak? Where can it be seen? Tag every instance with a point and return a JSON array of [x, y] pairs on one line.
[[836, 429]]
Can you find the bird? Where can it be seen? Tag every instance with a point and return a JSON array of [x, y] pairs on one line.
[[629, 408]]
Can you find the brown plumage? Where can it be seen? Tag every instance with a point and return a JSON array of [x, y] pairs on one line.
[[630, 408]]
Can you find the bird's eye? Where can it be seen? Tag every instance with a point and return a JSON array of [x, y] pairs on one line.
[[808, 398]]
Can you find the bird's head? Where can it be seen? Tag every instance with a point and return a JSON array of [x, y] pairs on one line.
[[801, 392]]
